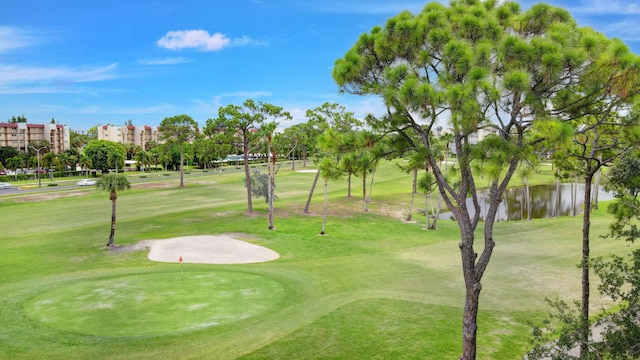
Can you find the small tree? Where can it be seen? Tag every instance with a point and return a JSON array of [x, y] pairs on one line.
[[112, 183], [240, 126], [260, 185], [179, 130], [99, 152], [333, 129]]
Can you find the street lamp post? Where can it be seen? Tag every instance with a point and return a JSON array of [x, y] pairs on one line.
[[38, 156]]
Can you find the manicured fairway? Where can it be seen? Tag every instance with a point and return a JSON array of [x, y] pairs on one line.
[[374, 287]]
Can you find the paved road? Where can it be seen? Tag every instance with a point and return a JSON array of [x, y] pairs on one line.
[[70, 184]]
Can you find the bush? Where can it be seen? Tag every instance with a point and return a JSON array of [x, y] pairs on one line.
[[52, 184], [143, 176], [166, 174]]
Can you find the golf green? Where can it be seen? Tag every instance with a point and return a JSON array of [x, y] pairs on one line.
[[154, 304]]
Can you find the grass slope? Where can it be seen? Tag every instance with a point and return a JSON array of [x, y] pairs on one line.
[[373, 287]]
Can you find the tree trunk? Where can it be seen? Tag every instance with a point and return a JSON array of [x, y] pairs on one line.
[[324, 212], [304, 156], [245, 155], [596, 190], [373, 175], [472, 290], [426, 208], [349, 185], [293, 159], [413, 193], [527, 195], [313, 187], [584, 308], [364, 191], [473, 267], [113, 196], [182, 165], [556, 208], [470, 321], [437, 215], [270, 184]]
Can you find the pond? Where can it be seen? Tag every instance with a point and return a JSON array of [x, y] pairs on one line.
[[546, 202]]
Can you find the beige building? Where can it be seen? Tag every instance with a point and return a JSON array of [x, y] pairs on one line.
[[20, 135], [129, 134]]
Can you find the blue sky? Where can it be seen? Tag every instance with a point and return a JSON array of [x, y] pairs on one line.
[[104, 62]]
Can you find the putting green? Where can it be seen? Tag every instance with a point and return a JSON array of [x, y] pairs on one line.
[[154, 304]]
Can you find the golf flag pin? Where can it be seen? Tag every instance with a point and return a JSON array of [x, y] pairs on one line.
[[181, 272]]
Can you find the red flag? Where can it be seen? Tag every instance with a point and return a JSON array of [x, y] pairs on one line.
[[180, 259]]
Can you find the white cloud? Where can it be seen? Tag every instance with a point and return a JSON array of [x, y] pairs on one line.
[[13, 38], [202, 40], [198, 39], [166, 61], [246, 41]]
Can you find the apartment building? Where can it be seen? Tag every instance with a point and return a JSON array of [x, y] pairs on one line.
[[129, 134], [20, 135]]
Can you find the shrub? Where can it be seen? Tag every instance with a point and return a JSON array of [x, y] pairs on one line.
[[52, 184]]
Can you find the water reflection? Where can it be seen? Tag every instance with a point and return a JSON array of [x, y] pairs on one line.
[[546, 202]]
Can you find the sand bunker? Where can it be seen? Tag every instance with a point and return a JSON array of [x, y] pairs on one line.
[[219, 249]]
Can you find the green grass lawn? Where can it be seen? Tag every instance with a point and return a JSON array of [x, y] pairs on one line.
[[374, 287]]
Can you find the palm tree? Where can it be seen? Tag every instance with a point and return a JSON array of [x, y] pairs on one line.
[[113, 183], [63, 162], [142, 157], [49, 160], [329, 170], [85, 164], [427, 184], [114, 158], [14, 164]]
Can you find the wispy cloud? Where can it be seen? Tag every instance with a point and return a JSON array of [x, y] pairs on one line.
[[13, 38], [372, 7], [165, 61], [158, 109], [12, 74], [600, 7], [202, 40], [627, 30], [239, 97], [41, 80]]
